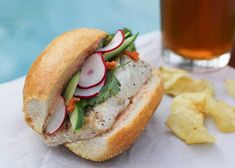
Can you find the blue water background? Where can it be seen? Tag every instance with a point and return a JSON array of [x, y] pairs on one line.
[[27, 26]]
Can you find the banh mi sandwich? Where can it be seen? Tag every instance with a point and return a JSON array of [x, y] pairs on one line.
[[90, 91]]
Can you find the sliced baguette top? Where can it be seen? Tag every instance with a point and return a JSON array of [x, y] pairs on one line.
[[129, 125], [52, 69]]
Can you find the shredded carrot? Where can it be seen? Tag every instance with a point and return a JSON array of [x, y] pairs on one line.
[[71, 104], [110, 65], [132, 54]]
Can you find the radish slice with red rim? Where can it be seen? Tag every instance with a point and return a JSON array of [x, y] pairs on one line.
[[57, 117], [91, 92], [93, 71], [117, 40]]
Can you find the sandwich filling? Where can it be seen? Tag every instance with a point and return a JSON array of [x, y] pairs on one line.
[[101, 89], [101, 118]]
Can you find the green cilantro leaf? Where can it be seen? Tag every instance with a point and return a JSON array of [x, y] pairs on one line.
[[121, 65], [111, 88], [127, 32]]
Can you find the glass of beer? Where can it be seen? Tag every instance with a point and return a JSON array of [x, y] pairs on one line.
[[197, 33]]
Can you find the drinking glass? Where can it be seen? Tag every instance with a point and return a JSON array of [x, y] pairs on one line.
[[197, 33]]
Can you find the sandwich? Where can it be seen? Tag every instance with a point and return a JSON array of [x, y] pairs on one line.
[[91, 92]]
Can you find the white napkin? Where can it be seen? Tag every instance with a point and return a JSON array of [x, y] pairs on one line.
[[156, 147]]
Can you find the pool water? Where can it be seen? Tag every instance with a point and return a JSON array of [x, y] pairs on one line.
[[26, 27]]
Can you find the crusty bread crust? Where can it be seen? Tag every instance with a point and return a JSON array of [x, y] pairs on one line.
[[51, 71], [127, 128]]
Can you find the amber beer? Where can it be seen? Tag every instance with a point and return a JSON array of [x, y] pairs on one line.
[[198, 29]]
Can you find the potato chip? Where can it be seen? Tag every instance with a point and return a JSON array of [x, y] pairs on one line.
[[222, 113], [230, 87], [198, 99], [186, 121], [170, 76], [188, 85], [177, 81]]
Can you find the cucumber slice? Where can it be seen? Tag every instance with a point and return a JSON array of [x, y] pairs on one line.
[[131, 47], [125, 44], [71, 86], [77, 117]]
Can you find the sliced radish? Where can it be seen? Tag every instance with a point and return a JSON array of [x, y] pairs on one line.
[[91, 92], [93, 71], [57, 118], [117, 40]]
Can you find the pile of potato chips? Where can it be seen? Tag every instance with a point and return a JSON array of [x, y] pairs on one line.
[[193, 102], [177, 81]]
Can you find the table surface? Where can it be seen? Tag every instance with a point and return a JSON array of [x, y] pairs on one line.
[[156, 147]]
